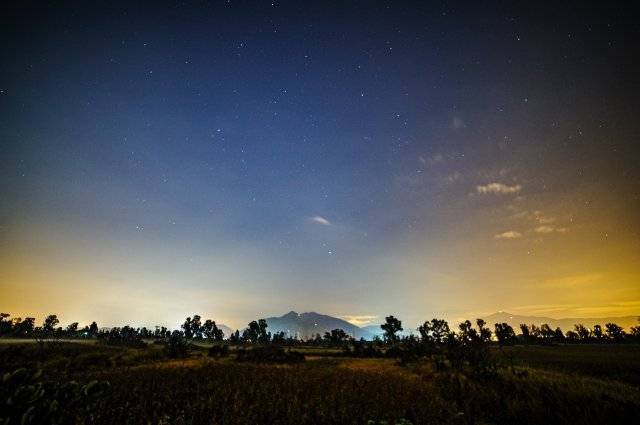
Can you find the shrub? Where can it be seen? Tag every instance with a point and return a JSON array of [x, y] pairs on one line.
[[219, 351], [26, 398], [176, 346]]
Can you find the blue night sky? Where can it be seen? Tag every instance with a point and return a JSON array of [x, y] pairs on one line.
[[359, 159]]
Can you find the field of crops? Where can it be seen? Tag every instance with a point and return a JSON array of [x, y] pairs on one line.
[[572, 384]]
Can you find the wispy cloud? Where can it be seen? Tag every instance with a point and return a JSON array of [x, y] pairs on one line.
[[545, 229], [320, 220], [511, 234], [361, 320], [499, 188]]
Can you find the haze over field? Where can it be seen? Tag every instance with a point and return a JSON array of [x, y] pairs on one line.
[[363, 159]]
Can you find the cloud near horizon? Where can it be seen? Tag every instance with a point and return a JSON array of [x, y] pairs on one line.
[[511, 234], [550, 229], [361, 320], [499, 188]]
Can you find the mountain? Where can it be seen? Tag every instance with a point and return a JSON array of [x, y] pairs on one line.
[[306, 325], [565, 324], [226, 329], [374, 330]]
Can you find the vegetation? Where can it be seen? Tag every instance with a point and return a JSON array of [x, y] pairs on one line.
[[192, 375]]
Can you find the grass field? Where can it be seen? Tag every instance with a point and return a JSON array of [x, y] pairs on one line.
[[548, 384]]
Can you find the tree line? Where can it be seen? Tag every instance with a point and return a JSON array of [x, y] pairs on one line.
[[434, 331]]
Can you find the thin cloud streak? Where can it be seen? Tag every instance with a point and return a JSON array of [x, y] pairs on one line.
[[511, 234], [320, 220], [499, 188]]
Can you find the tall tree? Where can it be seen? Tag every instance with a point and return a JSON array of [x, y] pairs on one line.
[[505, 334], [435, 331], [50, 323], [391, 327], [614, 332]]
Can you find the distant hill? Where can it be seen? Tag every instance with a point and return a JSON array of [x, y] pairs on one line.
[[306, 325], [565, 324], [226, 329], [374, 330]]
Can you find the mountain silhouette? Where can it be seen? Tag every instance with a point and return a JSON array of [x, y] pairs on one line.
[[307, 325]]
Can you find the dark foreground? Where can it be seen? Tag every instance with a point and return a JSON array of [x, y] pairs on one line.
[[90, 383]]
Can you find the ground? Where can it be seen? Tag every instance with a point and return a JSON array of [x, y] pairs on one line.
[[537, 384]]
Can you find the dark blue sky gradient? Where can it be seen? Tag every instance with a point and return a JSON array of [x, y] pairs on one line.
[[166, 139]]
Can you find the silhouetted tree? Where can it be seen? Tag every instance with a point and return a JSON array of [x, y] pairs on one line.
[[263, 336], [49, 324], [93, 329], [256, 332], [597, 333], [505, 334], [483, 332], [466, 332], [572, 336], [435, 331], [546, 332], [177, 346], [186, 328], [582, 332], [635, 330], [336, 338], [6, 326], [558, 335], [614, 332], [196, 326], [279, 338], [391, 327], [526, 334], [211, 331], [24, 327], [72, 329], [234, 338]]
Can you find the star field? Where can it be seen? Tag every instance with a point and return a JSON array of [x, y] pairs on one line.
[[243, 160]]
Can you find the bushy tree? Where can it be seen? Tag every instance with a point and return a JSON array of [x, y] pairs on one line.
[[391, 327], [256, 332], [614, 332], [211, 331], [192, 327], [435, 331], [483, 332], [93, 329], [72, 329], [467, 333], [525, 332], [558, 335], [6, 326], [50, 323], [177, 345], [597, 333], [505, 334], [581, 331], [336, 338], [546, 332], [572, 336]]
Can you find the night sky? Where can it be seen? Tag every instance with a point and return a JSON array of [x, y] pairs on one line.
[[359, 159]]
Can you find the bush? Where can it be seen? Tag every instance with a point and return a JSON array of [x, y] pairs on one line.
[[176, 346], [219, 351], [26, 398]]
